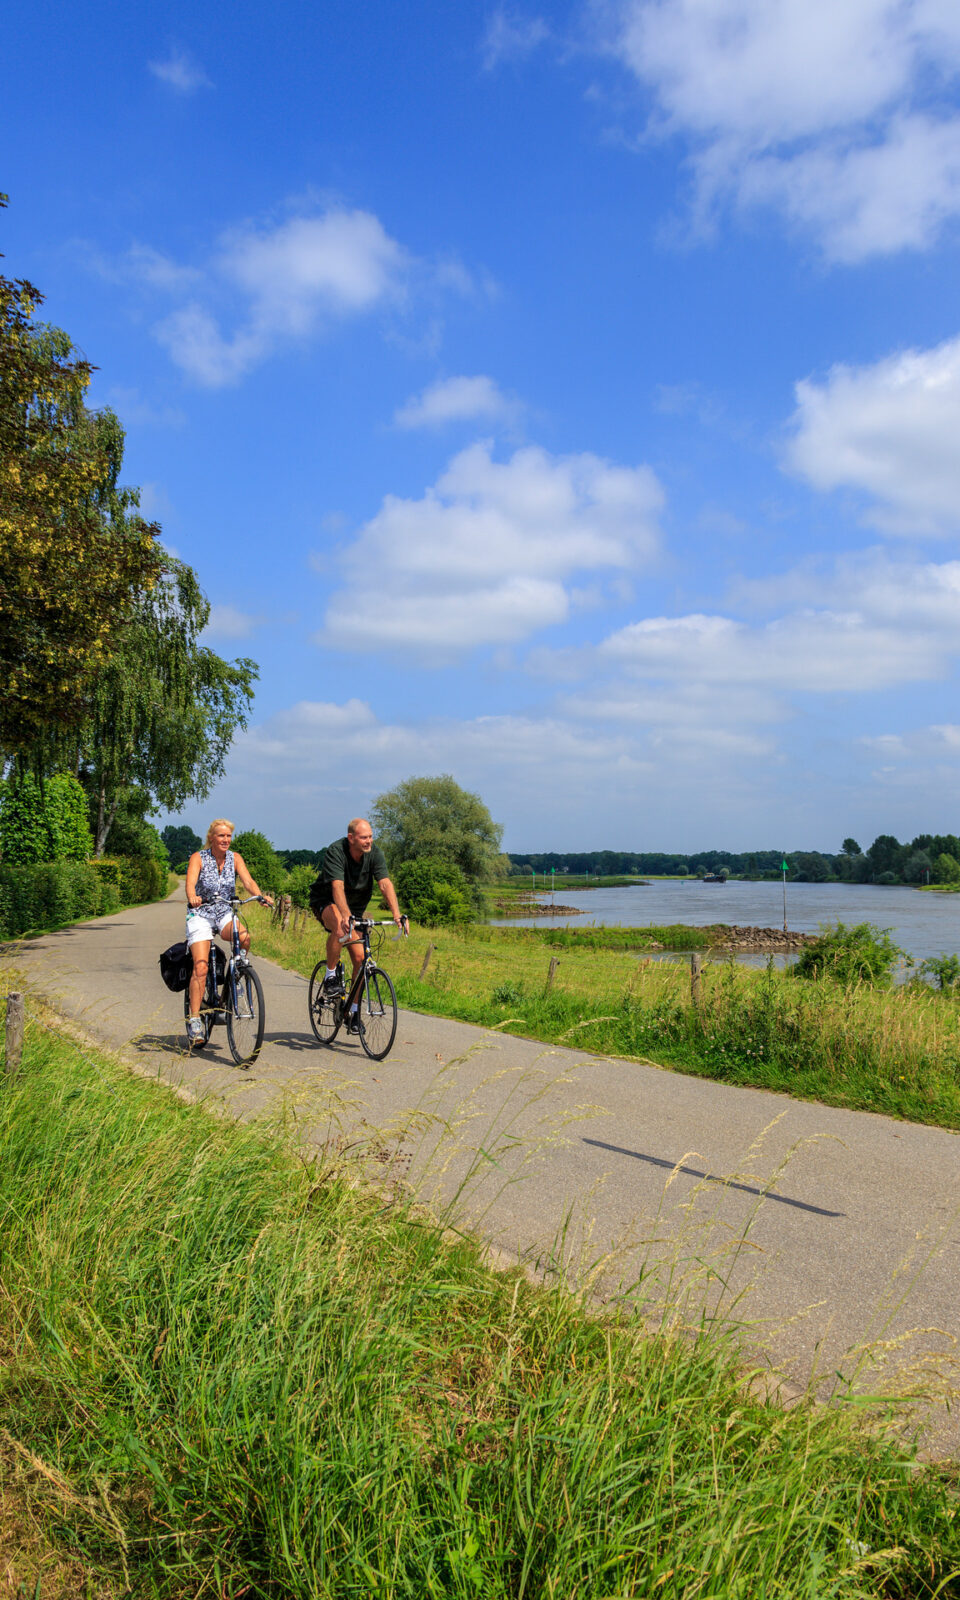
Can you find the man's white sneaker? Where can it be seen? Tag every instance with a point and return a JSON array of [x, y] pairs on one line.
[[195, 1030]]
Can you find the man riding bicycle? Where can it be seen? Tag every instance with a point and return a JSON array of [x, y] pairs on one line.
[[349, 869]]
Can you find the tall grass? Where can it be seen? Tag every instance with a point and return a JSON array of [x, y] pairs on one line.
[[896, 1052], [242, 1377]]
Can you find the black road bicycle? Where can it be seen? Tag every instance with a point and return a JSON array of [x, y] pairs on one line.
[[234, 995], [372, 992]]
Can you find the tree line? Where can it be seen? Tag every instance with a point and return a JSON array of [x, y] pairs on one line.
[[929, 858], [108, 684]]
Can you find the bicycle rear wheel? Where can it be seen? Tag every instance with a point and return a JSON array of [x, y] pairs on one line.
[[245, 1020], [325, 1010], [378, 1013]]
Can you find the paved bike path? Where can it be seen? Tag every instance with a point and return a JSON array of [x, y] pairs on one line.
[[817, 1228]]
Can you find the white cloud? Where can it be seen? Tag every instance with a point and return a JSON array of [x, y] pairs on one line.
[[826, 652], [889, 430], [840, 114], [456, 400], [180, 72], [510, 37], [284, 282], [227, 622], [485, 556], [341, 262]]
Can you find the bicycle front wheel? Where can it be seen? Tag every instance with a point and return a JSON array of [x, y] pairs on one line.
[[378, 1013], [325, 1010], [245, 1019]]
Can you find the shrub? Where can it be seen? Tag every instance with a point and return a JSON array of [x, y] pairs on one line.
[[263, 863], [43, 822], [47, 894], [434, 892], [300, 881], [862, 954], [944, 970]]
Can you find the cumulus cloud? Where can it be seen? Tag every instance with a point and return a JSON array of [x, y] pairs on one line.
[[889, 430], [825, 652], [841, 115], [228, 622], [179, 71], [290, 279], [456, 400], [486, 555]]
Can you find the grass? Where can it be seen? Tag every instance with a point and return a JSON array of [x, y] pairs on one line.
[[237, 1373], [896, 1052]]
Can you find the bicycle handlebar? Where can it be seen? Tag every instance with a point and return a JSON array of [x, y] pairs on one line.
[[372, 922]]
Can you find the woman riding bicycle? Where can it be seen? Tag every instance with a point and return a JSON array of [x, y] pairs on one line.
[[211, 884]]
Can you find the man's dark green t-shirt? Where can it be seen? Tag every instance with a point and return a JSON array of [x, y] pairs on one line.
[[358, 877]]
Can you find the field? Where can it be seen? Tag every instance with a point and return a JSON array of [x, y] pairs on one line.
[[227, 1370], [897, 1052]]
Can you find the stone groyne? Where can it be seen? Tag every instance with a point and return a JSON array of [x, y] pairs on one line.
[[760, 939]]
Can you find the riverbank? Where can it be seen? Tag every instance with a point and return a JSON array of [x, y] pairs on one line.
[[895, 1052], [232, 1371]]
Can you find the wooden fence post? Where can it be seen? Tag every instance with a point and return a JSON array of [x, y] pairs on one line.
[[287, 903], [426, 961], [14, 1034], [696, 980], [554, 964]]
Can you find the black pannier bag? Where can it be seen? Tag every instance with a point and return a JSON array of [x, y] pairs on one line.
[[176, 967]]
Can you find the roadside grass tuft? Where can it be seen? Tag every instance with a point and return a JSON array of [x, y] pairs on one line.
[[238, 1377]]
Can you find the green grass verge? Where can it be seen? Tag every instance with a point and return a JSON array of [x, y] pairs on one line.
[[238, 1376], [896, 1052]]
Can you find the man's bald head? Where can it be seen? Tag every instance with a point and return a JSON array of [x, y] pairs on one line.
[[359, 837]]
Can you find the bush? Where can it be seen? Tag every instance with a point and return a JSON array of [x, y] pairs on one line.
[[434, 892], [944, 970], [862, 954], [47, 894], [45, 822], [300, 880], [263, 863]]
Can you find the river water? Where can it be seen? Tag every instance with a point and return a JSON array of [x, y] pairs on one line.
[[921, 924]]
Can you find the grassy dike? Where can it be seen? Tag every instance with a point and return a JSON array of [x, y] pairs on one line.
[[224, 1372], [896, 1052]]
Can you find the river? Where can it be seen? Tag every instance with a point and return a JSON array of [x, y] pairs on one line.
[[921, 924]]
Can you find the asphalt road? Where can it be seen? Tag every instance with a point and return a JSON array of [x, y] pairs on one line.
[[817, 1231]]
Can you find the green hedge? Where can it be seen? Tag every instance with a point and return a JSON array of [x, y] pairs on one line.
[[39, 825], [54, 892]]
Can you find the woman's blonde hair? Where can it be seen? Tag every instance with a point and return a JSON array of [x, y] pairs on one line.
[[218, 822]]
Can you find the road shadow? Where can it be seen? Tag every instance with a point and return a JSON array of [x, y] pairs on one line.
[[712, 1177], [175, 1044]]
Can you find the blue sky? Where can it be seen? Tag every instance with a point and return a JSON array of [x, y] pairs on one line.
[[566, 398]]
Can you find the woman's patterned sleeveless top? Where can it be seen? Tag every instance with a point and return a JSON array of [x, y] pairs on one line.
[[215, 888]]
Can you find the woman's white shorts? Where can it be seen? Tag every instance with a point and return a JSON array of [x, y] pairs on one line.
[[199, 928]]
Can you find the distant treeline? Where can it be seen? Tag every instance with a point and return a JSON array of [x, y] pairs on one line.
[[929, 858]]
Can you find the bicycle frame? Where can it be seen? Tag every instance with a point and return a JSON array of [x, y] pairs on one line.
[[216, 998], [368, 1007]]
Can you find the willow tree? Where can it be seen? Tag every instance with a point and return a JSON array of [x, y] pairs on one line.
[[435, 817], [73, 548], [165, 706]]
